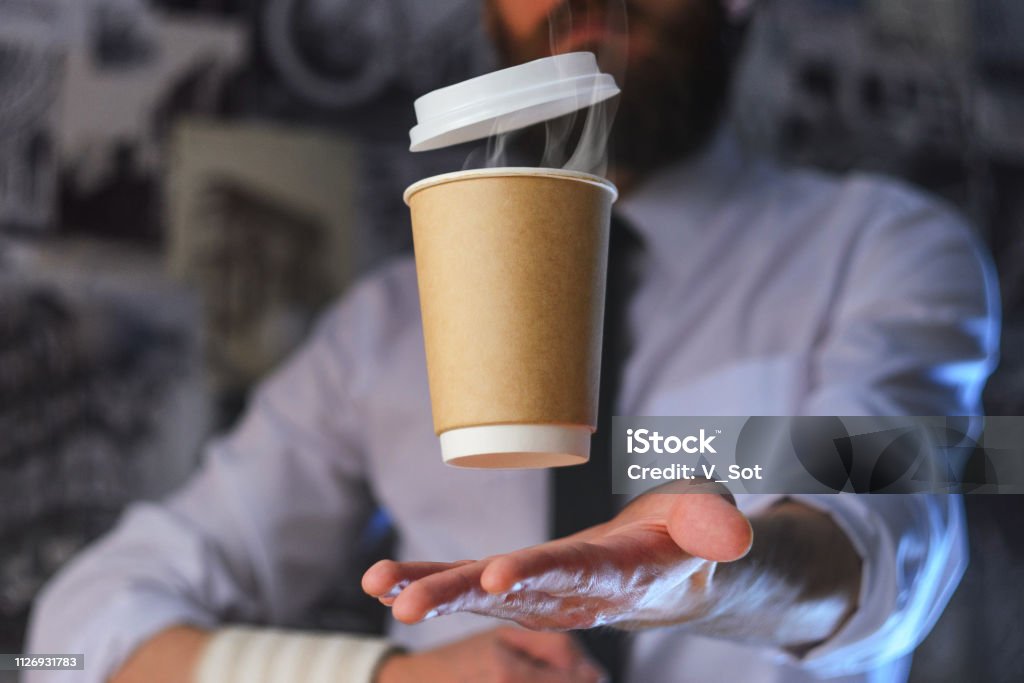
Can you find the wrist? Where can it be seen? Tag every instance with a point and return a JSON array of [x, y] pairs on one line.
[[798, 584]]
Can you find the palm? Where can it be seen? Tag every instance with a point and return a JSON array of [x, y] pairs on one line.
[[650, 563]]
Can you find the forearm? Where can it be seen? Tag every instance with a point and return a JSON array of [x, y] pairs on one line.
[[171, 656], [797, 586]]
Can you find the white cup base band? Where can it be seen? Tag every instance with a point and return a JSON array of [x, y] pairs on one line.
[[516, 446]]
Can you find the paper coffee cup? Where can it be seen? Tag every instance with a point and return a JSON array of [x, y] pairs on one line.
[[511, 265]]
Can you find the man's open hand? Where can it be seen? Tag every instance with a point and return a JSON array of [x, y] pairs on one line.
[[653, 563]]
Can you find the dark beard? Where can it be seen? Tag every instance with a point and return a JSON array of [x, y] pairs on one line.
[[671, 103], [672, 121]]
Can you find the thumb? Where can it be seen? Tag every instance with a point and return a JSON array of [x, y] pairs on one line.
[[708, 526]]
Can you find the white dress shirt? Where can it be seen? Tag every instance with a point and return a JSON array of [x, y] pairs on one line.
[[765, 291]]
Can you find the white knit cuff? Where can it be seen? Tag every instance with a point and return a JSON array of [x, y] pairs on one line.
[[251, 655]]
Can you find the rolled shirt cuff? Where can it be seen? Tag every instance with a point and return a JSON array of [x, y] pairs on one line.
[[254, 655], [897, 590]]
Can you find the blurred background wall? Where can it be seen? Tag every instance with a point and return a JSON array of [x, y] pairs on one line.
[[184, 184]]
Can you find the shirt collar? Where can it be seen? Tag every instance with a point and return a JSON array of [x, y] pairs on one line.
[[670, 206]]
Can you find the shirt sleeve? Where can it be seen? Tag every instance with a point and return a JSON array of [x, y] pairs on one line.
[[255, 536], [914, 332]]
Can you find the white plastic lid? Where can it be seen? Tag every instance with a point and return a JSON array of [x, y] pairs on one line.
[[509, 99]]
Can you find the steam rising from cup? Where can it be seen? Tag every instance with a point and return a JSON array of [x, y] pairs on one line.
[[578, 140], [555, 112]]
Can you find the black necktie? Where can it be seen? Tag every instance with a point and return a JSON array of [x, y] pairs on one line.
[[582, 495]]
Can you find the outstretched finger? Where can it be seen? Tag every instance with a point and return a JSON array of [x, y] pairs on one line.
[[451, 590], [387, 578], [551, 567]]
